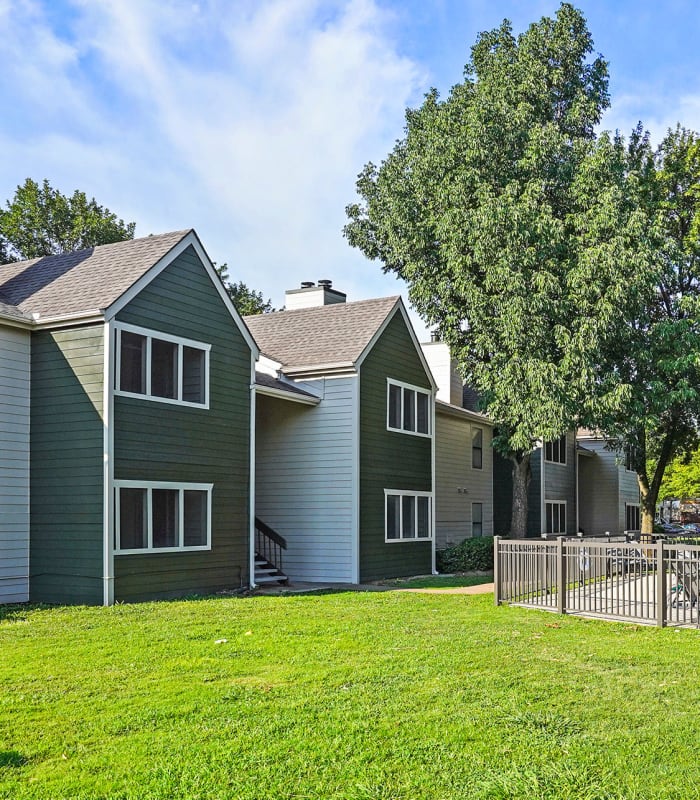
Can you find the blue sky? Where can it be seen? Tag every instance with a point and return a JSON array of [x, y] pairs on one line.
[[249, 121]]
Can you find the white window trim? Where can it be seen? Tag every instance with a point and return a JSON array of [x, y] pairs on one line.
[[149, 486], [181, 341], [418, 390], [555, 503], [407, 493], [550, 461]]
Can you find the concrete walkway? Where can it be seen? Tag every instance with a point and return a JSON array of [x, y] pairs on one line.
[[482, 588], [306, 588]]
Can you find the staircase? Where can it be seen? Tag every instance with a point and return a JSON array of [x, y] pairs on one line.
[[268, 555]]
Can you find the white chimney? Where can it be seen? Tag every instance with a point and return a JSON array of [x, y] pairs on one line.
[[444, 369], [312, 296]]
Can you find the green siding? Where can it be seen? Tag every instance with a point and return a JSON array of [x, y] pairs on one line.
[[164, 442], [66, 465], [390, 459]]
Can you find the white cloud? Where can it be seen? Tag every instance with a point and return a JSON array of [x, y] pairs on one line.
[[246, 120], [657, 108]]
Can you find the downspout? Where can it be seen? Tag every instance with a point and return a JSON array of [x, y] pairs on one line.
[[355, 566], [543, 502], [108, 467], [251, 483], [433, 432], [576, 458]]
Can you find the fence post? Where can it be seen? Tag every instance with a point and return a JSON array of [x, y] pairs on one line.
[[660, 584], [496, 572], [561, 576]]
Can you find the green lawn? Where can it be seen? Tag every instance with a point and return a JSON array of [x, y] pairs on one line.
[[348, 695]]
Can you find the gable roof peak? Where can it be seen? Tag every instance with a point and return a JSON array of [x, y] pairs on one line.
[[331, 336], [83, 281]]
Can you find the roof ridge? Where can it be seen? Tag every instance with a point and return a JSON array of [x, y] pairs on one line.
[[296, 311], [94, 247]]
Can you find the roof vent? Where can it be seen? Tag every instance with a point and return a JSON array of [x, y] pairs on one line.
[[326, 283], [307, 284]]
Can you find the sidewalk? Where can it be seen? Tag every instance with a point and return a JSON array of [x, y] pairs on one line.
[[305, 588]]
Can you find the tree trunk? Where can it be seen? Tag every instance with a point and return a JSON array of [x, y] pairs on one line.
[[648, 512], [521, 482], [649, 490]]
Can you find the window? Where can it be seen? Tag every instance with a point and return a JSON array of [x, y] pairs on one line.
[[632, 517], [162, 367], [630, 454], [555, 513], [408, 409], [556, 451], [407, 515], [477, 448], [477, 519], [156, 517]]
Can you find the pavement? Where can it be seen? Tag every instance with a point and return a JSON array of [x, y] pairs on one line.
[[307, 588]]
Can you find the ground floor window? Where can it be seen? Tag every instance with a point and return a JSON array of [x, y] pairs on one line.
[[632, 517], [477, 519], [158, 516], [555, 513], [407, 515]]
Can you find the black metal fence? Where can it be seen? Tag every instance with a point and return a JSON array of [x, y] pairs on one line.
[[653, 583]]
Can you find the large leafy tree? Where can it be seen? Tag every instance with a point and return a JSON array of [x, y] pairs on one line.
[[41, 221], [514, 229], [682, 478], [655, 356]]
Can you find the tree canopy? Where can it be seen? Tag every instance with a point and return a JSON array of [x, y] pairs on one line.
[[655, 354], [682, 478], [40, 221], [515, 229]]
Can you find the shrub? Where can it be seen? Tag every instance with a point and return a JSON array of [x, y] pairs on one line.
[[471, 554]]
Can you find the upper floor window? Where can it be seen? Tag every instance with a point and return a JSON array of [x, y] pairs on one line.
[[408, 408], [162, 367], [157, 516], [556, 451], [477, 448], [630, 457]]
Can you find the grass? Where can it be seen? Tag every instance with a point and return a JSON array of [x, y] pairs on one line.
[[440, 581], [388, 695]]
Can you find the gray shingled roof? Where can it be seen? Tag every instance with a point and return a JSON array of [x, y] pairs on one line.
[[8, 310], [263, 379], [322, 336], [82, 281]]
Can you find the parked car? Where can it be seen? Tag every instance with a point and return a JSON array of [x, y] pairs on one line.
[[692, 527], [668, 528]]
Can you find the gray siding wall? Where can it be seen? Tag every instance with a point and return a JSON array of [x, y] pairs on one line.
[[390, 459], [560, 483], [165, 442], [14, 465], [458, 484], [303, 482], [604, 488], [67, 448]]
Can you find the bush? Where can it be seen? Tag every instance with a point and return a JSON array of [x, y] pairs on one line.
[[471, 554]]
